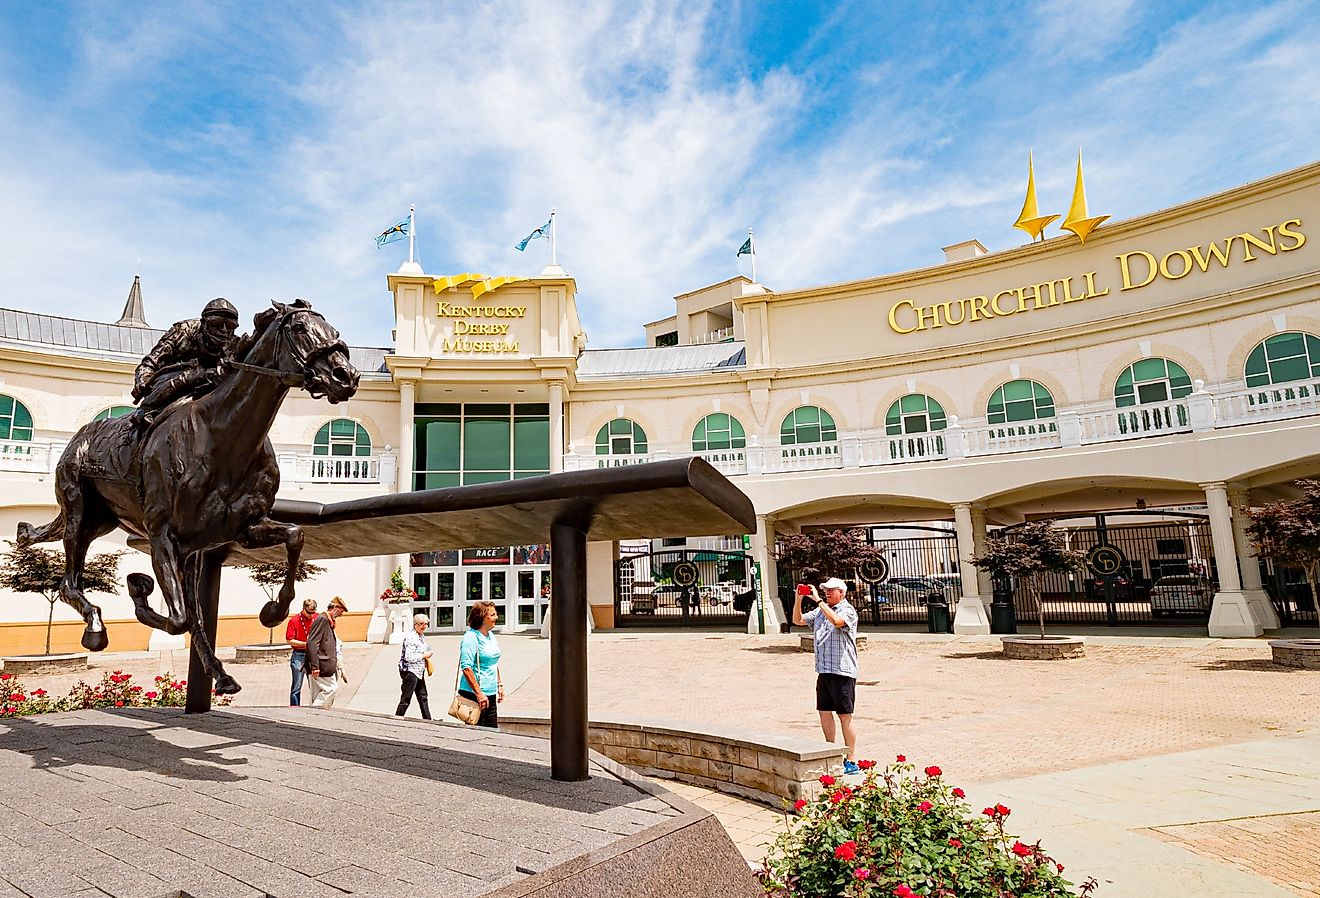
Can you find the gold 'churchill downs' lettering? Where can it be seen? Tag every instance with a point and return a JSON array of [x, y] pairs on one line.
[[1136, 269]]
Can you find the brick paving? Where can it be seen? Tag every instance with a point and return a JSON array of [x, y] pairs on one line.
[[1283, 848]]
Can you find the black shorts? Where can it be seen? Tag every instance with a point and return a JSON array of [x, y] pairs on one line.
[[835, 692]]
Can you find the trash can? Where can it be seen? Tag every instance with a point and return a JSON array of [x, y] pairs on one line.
[[937, 614], [1003, 616]]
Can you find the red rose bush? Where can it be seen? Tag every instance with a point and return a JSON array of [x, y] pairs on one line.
[[116, 690], [900, 833]]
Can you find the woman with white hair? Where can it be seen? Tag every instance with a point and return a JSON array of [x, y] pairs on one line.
[[412, 668]]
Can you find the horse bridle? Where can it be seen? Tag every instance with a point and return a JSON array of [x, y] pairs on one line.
[[288, 378]]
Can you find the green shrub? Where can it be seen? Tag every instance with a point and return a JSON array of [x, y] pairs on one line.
[[116, 690], [897, 834]]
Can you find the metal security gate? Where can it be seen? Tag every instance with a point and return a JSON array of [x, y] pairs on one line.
[[1161, 572], [683, 588], [920, 561], [1290, 594]]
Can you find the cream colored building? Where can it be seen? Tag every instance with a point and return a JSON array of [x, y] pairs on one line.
[[1172, 361]]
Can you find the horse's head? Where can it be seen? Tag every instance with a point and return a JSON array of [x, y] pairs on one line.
[[307, 348]]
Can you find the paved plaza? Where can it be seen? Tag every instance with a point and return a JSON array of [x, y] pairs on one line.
[[1162, 765]]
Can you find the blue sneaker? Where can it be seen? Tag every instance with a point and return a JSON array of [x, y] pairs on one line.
[[850, 767]]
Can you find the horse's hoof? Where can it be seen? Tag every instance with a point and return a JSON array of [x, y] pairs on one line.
[[95, 640], [226, 685], [25, 533], [272, 615], [140, 585]]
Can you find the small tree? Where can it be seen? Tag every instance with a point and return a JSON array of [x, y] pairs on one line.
[[270, 575], [1288, 533], [1026, 553], [821, 554], [27, 568]]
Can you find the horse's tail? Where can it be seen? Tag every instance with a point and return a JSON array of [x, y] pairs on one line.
[[27, 534]]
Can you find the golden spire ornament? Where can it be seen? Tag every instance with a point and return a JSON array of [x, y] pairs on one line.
[[1030, 220], [1079, 220]]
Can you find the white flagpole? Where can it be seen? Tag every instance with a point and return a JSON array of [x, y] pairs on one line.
[[412, 234], [554, 251], [753, 254]]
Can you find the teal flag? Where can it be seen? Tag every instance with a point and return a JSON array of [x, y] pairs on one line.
[[746, 248], [394, 232], [542, 231]]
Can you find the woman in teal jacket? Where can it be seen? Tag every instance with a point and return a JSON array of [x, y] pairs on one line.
[[478, 662]]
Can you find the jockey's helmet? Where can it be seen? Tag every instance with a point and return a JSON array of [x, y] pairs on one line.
[[220, 308]]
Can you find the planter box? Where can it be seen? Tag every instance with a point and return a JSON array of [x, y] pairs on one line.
[[1048, 648], [261, 654], [18, 665], [1303, 653]]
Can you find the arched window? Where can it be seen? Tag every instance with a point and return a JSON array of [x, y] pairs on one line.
[[1019, 400], [1283, 358], [15, 420], [718, 431], [914, 413], [1151, 381], [621, 437], [807, 424], [114, 411], [342, 437]]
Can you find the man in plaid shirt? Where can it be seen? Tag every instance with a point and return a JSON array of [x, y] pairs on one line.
[[834, 625]]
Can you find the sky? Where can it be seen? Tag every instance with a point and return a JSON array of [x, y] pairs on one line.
[[253, 151]]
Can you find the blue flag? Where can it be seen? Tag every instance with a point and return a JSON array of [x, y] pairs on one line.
[[746, 248], [393, 233], [542, 231]]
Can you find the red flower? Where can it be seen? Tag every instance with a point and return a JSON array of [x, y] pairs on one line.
[[826, 779], [1060, 866], [933, 771], [1002, 811], [956, 843], [38, 692], [799, 804], [861, 873], [6, 676], [925, 807], [18, 697], [958, 793], [151, 696], [1021, 850], [847, 851], [900, 759], [119, 704], [989, 812], [866, 765], [905, 892], [837, 797]]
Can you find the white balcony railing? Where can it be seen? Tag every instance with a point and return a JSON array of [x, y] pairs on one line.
[[302, 468], [30, 456], [1203, 410]]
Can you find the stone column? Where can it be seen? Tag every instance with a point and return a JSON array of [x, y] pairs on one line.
[[1230, 616], [763, 554], [556, 426], [407, 395], [970, 617], [1239, 499], [985, 587]]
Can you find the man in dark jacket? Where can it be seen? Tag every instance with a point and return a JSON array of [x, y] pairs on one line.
[[186, 360], [323, 667]]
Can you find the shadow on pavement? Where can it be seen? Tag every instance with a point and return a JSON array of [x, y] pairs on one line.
[[1257, 664]]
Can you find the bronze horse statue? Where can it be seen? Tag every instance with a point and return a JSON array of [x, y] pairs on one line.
[[202, 477]]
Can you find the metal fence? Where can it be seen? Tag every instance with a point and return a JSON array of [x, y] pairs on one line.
[[683, 588]]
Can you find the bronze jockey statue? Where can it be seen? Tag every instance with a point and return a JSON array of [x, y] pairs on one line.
[[186, 361]]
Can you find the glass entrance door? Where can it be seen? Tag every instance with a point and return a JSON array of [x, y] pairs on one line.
[[486, 585], [436, 599], [533, 597]]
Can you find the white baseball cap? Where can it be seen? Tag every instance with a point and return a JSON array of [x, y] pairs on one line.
[[834, 583]]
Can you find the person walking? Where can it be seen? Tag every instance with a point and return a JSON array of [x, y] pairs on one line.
[[295, 634], [323, 655], [834, 630], [478, 662], [412, 669]]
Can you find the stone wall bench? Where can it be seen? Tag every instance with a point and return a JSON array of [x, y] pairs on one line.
[[773, 769]]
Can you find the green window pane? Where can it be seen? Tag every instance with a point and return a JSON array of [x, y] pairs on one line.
[[342, 427], [6, 406], [1016, 390], [621, 427], [1149, 369], [1256, 366], [1284, 346], [1285, 370], [531, 443], [438, 444], [913, 402], [486, 444], [531, 409], [471, 477], [114, 411], [434, 481]]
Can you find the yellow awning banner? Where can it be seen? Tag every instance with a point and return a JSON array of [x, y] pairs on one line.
[[490, 284], [456, 280]]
